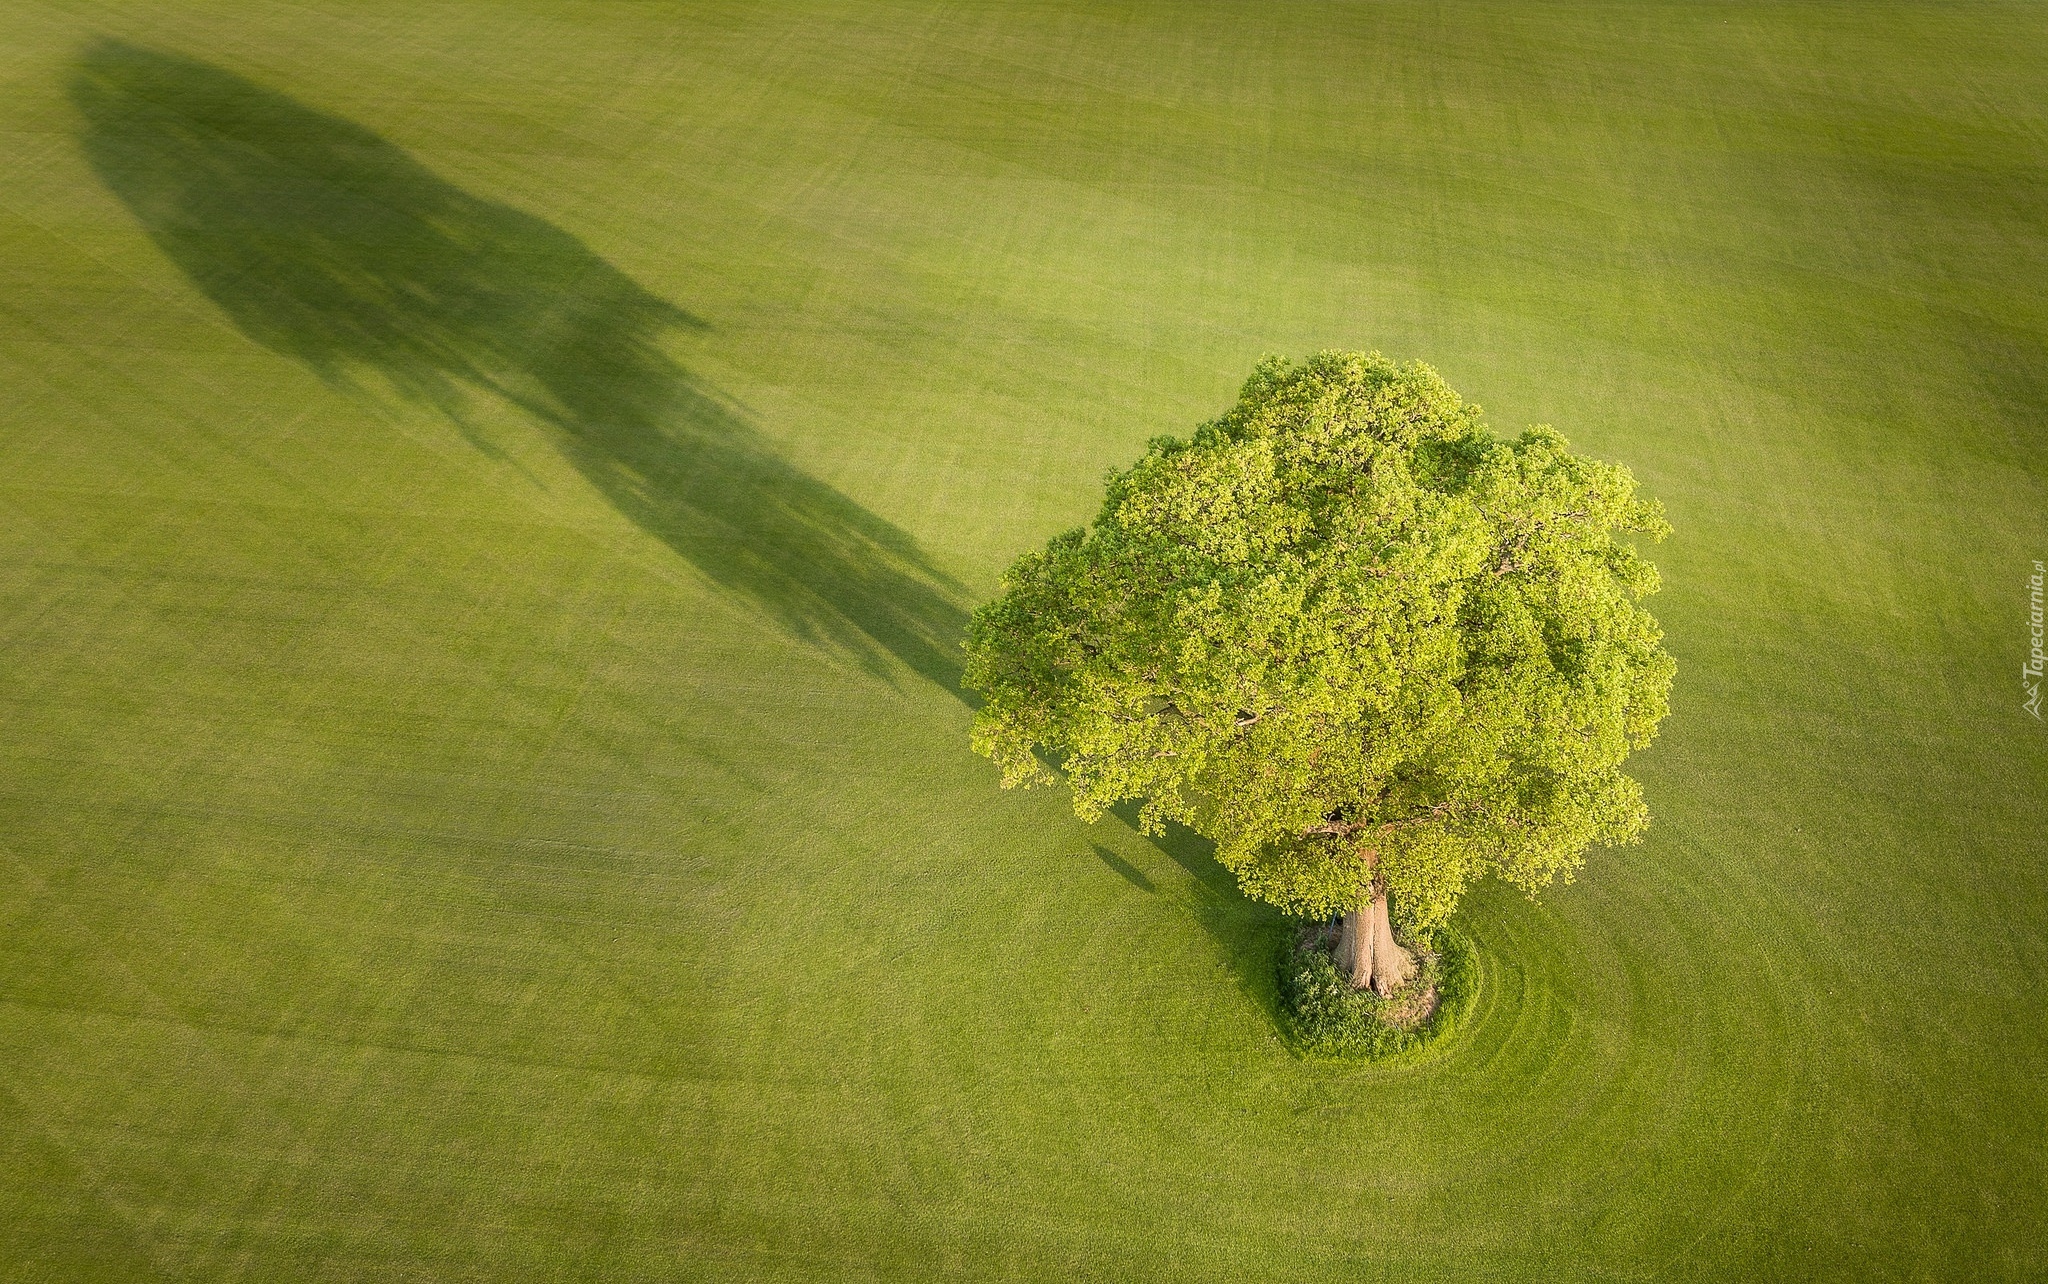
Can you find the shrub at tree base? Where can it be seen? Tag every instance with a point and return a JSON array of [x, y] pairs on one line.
[[1331, 1017]]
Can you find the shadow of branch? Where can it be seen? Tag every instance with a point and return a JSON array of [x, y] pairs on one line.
[[1130, 873], [1251, 933]]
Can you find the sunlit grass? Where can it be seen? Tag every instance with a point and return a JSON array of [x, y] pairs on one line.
[[481, 790]]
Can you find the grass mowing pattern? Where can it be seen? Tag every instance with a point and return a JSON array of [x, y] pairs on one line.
[[463, 819]]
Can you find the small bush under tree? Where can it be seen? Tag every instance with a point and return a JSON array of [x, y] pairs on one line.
[[1330, 1016]]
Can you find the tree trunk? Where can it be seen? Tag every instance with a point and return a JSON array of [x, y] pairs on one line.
[[1354, 948], [1389, 966]]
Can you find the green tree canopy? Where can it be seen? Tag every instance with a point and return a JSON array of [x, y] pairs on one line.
[[1348, 635]]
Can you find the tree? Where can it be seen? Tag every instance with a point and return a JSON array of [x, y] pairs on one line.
[[1365, 647]]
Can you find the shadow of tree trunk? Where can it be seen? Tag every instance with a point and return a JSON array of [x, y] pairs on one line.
[[329, 245]]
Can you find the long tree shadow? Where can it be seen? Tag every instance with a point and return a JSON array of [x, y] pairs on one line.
[[325, 243]]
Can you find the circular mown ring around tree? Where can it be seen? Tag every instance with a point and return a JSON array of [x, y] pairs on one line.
[[1328, 1016]]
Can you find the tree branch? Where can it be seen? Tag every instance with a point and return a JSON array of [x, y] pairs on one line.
[[1521, 544], [1331, 829]]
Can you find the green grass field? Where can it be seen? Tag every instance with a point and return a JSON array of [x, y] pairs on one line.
[[488, 493]]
